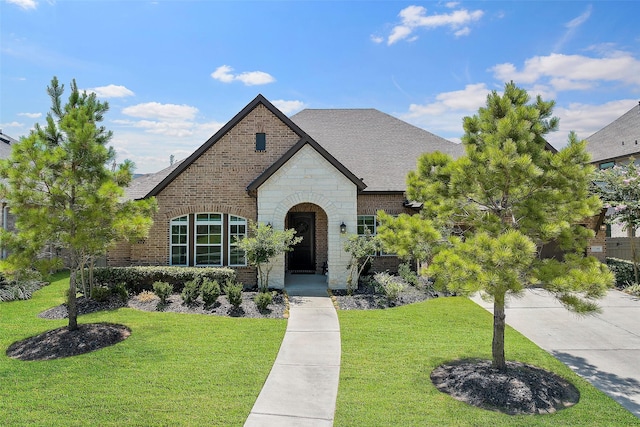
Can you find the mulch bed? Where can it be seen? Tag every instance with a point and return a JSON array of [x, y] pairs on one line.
[[520, 389]]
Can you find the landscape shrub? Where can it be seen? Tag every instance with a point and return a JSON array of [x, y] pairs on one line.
[[191, 291], [407, 274], [389, 285], [100, 293], [141, 278], [13, 291], [163, 290], [262, 300], [623, 271], [210, 291], [121, 291], [234, 293], [146, 296], [633, 290]]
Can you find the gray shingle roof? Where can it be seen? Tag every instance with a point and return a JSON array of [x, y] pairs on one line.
[[607, 143], [375, 146], [5, 145], [142, 185]]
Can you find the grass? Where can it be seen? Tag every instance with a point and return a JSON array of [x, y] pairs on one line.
[[174, 369], [388, 356]]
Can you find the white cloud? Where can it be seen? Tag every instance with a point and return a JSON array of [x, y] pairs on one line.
[[566, 72], [288, 107], [572, 26], [415, 17], [172, 112], [587, 119], [24, 4], [377, 39], [444, 115], [111, 91], [11, 125], [249, 78], [31, 115]]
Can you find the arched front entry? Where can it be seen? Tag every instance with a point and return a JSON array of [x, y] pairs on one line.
[[311, 255]]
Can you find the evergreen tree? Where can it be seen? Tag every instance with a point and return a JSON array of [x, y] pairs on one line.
[[508, 197], [62, 192]]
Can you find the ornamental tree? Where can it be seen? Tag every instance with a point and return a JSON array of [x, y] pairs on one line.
[[65, 190], [264, 244], [619, 188], [508, 197]]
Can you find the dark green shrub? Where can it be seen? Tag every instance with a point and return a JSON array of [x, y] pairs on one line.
[[407, 274], [623, 271], [138, 279], [210, 291], [234, 293], [100, 293], [262, 300], [121, 291], [191, 291], [163, 290]]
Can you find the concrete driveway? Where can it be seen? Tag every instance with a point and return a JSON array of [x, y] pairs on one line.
[[602, 348]]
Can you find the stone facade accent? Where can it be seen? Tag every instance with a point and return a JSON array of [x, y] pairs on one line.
[[308, 177]]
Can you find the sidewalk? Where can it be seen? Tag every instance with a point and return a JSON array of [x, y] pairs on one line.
[[302, 387], [604, 348]]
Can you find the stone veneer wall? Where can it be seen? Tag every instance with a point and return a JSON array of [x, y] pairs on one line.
[[309, 178], [215, 182]]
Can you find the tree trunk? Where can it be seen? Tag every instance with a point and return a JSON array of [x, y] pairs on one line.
[[72, 307], [633, 257], [497, 346]]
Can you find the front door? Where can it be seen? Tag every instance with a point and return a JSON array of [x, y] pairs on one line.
[[303, 257]]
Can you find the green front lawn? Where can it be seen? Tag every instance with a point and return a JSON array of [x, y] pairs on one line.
[[388, 355], [174, 369]]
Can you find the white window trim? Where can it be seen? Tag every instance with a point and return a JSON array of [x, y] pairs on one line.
[[174, 221], [195, 239], [230, 245]]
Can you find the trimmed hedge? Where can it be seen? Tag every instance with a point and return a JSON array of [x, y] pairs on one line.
[[138, 279], [623, 269]]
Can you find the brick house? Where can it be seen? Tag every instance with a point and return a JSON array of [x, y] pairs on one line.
[[323, 172], [7, 220]]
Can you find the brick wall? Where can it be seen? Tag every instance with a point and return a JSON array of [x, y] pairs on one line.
[[215, 182]]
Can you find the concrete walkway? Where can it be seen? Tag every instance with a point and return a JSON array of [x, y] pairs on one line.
[[302, 387], [604, 348]]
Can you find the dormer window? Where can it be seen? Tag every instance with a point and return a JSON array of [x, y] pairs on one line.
[[261, 141]]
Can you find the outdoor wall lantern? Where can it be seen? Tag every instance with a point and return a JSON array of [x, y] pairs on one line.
[[343, 228]]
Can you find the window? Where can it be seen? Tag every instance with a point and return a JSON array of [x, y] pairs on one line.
[[180, 240], [607, 165], [208, 240], [237, 232], [261, 141], [366, 222]]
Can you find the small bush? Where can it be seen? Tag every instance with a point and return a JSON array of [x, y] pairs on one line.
[[163, 290], [146, 296], [210, 291], [14, 291], [234, 293], [389, 285], [262, 300], [190, 291], [407, 274], [121, 291], [633, 289], [623, 271], [100, 293]]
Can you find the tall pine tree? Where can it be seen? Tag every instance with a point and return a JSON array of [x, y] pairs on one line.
[[510, 196], [63, 192]]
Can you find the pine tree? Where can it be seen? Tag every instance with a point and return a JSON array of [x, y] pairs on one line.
[[509, 196], [62, 192]]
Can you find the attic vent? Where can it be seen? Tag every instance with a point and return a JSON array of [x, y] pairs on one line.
[[622, 142], [261, 141]]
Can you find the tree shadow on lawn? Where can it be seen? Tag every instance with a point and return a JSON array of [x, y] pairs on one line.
[[615, 386]]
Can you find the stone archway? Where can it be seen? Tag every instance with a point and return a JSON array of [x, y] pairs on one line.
[[310, 255]]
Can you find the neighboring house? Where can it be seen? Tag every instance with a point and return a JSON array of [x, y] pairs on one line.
[[7, 220], [616, 144], [323, 172]]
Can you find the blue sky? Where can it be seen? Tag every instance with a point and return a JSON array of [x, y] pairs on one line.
[[174, 72]]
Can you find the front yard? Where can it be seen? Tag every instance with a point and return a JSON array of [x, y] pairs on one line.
[[174, 369], [193, 369]]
